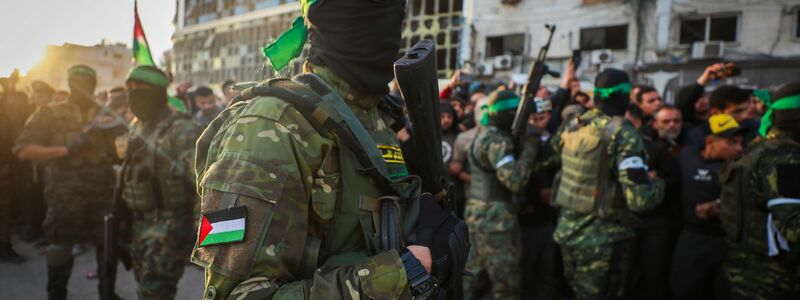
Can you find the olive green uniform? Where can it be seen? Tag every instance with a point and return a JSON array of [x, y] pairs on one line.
[[595, 225], [311, 215], [755, 269]]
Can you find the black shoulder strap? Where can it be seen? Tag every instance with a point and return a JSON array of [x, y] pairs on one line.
[[312, 98]]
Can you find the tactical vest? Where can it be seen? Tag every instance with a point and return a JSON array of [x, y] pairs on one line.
[[484, 183], [585, 184], [154, 178], [68, 122], [744, 217], [367, 212]]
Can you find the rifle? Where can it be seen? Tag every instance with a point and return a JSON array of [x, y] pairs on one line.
[[527, 106], [116, 228], [416, 77]]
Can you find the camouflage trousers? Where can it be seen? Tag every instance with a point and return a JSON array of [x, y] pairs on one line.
[[762, 278], [604, 271], [494, 258], [160, 246], [77, 199]]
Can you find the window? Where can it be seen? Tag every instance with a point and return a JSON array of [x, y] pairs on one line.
[[723, 28], [513, 44], [797, 23], [609, 37]]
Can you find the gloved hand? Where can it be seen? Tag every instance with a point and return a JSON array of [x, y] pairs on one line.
[[78, 143], [446, 236]]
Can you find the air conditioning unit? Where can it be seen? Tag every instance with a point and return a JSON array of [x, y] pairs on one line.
[[712, 49], [602, 56], [485, 69], [503, 62]]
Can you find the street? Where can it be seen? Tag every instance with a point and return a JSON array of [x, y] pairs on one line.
[[28, 280]]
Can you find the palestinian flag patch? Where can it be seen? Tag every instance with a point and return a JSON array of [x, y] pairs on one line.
[[223, 227]]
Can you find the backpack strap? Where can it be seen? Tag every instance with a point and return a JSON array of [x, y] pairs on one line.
[[328, 113]]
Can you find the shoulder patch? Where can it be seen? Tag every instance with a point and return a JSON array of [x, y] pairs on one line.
[[787, 180], [223, 227]]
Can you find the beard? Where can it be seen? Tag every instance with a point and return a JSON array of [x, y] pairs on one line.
[[669, 134]]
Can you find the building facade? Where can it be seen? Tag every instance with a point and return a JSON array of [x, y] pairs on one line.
[[110, 61], [666, 43], [216, 40]]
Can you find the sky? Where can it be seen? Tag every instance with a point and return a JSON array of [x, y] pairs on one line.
[[28, 26]]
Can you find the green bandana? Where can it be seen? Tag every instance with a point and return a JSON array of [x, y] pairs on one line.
[[148, 75], [604, 93], [790, 102], [764, 96], [81, 70], [505, 104], [290, 44]]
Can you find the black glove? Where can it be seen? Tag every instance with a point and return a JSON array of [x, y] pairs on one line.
[[446, 236], [78, 143]]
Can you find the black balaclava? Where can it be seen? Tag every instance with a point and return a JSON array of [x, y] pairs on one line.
[[503, 119], [788, 120], [617, 103], [82, 93], [358, 40], [147, 104]]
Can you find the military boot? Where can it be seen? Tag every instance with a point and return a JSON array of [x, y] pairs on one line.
[[57, 279], [7, 254]]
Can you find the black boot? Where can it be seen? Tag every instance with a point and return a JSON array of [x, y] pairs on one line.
[[7, 254], [57, 279]]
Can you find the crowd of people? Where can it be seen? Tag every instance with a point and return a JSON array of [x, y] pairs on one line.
[[62, 151], [674, 248], [660, 236]]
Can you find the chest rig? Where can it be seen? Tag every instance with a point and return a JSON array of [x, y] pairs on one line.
[[155, 179], [484, 185], [373, 206], [584, 184], [70, 121]]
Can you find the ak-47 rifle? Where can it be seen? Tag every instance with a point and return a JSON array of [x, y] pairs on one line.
[[527, 106]]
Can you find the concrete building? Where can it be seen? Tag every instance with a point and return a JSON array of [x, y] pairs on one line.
[[110, 61], [216, 40], [666, 43]]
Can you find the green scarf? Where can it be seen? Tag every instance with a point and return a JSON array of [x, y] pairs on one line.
[[789, 102], [604, 93], [290, 44], [509, 103]]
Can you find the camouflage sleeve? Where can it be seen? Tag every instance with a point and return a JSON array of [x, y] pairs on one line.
[[513, 173], [628, 159], [267, 159], [184, 137], [37, 130], [778, 174]]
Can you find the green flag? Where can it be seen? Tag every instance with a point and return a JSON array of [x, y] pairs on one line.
[[141, 50]]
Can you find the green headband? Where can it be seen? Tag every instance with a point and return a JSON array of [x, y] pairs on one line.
[[505, 104], [764, 96], [148, 75], [81, 70], [789, 102], [604, 93], [290, 44]]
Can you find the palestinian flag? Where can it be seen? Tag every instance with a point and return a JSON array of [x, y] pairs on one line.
[[141, 50], [222, 227]]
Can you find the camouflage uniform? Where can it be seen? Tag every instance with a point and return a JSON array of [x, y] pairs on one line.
[[162, 224], [304, 229], [78, 187], [754, 274], [597, 250], [492, 220]]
